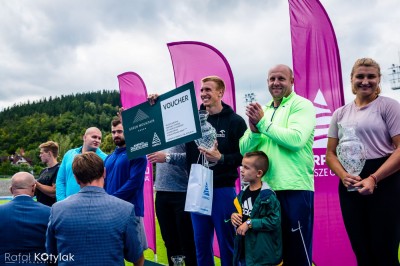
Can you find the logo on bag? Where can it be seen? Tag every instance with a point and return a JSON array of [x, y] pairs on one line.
[[206, 192]]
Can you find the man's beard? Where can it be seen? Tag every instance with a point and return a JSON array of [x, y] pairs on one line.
[[119, 142]]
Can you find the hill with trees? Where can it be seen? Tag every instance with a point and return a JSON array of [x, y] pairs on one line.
[[63, 119]]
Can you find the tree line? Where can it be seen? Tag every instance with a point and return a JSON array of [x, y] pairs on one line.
[[63, 119]]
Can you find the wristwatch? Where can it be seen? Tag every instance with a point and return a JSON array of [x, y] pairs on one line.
[[167, 158], [248, 222]]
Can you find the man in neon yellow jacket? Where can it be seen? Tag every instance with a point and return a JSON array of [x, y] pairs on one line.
[[284, 130]]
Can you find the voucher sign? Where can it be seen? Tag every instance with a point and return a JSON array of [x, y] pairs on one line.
[[172, 120]]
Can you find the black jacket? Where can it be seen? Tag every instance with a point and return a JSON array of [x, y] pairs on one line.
[[230, 128]]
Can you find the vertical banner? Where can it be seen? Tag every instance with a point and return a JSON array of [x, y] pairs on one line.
[[133, 92], [193, 61], [317, 72]]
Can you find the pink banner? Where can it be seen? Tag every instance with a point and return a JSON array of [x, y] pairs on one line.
[[193, 61], [132, 89], [133, 92], [317, 72]]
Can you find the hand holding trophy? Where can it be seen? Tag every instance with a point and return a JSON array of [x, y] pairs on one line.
[[351, 152], [209, 134]]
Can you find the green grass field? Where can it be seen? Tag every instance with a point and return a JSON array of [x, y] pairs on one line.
[[161, 251]]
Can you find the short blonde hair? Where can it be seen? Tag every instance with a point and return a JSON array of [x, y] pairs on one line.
[[220, 83], [50, 146], [367, 62]]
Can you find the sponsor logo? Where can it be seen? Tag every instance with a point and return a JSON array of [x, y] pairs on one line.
[[206, 192], [139, 146], [141, 126], [156, 140], [324, 116], [140, 116], [221, 134]]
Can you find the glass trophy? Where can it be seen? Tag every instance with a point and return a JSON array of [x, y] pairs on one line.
[[209, 134], [350, 152], [178, 260]]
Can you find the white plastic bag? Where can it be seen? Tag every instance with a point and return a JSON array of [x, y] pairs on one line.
[[199, 195]]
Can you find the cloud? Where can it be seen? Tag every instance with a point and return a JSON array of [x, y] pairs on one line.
[[49, 48]]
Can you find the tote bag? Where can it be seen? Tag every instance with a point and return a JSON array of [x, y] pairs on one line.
[[199, 195]]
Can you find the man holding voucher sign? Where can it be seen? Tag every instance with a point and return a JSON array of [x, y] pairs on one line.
[[225, 157], [225, 153]]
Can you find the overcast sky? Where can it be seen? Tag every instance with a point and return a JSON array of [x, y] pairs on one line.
[[55, 47]]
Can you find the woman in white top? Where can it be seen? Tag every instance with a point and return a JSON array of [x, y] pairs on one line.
[[371, 214]]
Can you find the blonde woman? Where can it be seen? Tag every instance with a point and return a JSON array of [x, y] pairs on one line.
[[370, 214]]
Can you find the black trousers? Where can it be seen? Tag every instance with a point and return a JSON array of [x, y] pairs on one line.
[[372, 222], [176, 226], [297, 214]]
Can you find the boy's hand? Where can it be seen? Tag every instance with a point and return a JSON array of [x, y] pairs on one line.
[[242, 229], [236, 219]]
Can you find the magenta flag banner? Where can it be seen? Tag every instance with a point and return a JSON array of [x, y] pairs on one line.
[[193, 61], [133, 92], [317, 73], [132, 89]]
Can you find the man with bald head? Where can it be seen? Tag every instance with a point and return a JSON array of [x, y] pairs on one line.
[[23, 223], [284, 130], [66, 184]]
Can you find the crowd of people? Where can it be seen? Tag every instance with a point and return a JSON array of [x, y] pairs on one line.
[[90, 208]]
